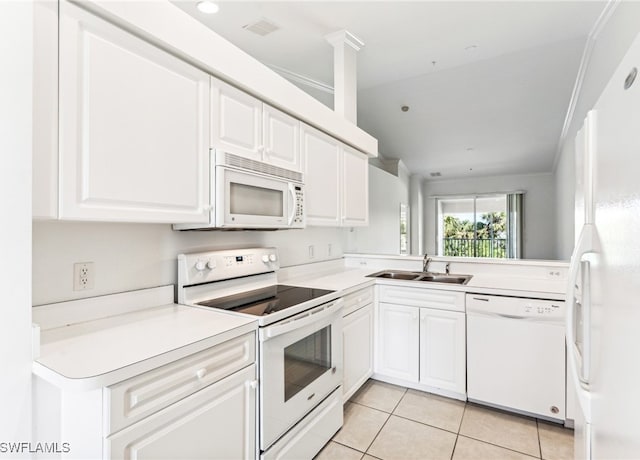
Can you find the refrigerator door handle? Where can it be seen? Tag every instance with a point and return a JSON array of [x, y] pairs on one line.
[[584, 247]]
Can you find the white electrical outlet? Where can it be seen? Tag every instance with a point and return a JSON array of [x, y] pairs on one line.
[[83, 276], [311, 251]]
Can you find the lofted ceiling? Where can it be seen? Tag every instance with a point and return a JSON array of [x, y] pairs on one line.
[[488, 84]]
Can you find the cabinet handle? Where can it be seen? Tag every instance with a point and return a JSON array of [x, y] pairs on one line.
[[261, 148], [201, 373], [253, 384], [415, 316]]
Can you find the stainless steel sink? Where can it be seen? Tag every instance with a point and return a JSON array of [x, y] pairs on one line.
[[452, 279], [422, 276], [396, 275]]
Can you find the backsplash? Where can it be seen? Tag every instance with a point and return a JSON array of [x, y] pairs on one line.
[[136, 256]]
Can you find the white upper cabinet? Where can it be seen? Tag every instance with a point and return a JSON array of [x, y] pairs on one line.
[[336, 179], [281, 135], [245, 126], [45, 111], [355, 188], [322, 177], [236, 121], [134, 127]]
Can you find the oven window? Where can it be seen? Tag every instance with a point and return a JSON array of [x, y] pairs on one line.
[[305, 361], [255, 201]]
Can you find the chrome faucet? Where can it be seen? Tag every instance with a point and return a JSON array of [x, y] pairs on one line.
[[446, 268], [425, 263]]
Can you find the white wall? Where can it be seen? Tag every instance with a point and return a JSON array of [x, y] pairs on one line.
[[136, 256], [382, 236], [539, 214], [611, 43], [16, 52]]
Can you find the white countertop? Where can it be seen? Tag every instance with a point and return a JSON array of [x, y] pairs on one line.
[[337, 277], [341, 279], [99, 350], [103, 351]]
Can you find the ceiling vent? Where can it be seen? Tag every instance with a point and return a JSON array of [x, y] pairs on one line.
[[435, 174], [262, 27]]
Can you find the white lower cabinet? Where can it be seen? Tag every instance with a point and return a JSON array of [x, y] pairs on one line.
[[357, 342], [217, 422], [398, 341], [202, 406], [418, 346], [442, 349]]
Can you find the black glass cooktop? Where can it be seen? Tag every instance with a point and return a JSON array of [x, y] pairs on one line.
[[267, 300]]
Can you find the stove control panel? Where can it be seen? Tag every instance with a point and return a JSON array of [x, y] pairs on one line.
[[209, 266], [238, 261]]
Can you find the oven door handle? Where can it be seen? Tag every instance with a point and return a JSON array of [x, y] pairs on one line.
[[309, 317]]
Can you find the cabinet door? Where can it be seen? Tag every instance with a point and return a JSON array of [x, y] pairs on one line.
[[236, 121], [355, 188], [397, 351], [322, 177], [134, 127], [217, 422], [357, 349], [442, 349], [281, 136], [45, 111]]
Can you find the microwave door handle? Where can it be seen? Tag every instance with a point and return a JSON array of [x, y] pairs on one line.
[[292, 204]]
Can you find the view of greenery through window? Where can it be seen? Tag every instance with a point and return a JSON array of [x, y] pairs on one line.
[[487, 239]]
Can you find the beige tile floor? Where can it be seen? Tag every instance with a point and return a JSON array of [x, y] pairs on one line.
[[390, 422]]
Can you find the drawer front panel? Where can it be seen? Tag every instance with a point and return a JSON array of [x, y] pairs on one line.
[[357, 300], [420, 297], [131, 400]]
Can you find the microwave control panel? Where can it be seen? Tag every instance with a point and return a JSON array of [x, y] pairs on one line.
[[298, 218]]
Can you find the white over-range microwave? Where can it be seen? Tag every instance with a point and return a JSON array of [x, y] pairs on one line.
[[249, 194]]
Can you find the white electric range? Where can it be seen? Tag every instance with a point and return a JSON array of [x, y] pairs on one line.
[[300, 343]]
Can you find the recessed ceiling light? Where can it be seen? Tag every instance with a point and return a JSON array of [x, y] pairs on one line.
[[435, 174], [469, 149], [404, 108], [207, 7]]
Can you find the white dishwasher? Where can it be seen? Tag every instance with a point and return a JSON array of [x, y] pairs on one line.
[[516, 354]]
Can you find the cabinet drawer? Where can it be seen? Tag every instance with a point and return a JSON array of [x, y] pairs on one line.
[[421, 297], [131, 400], [357, 300]]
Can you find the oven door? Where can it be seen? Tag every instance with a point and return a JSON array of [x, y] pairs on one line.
[[246, 200], [300, 364]]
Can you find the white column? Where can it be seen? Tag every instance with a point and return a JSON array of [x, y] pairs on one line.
[[345, 49]]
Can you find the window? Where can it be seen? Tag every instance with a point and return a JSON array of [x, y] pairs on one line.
[[404, 230], [480, 226]]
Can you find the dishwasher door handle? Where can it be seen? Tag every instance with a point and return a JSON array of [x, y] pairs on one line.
[[495, 314], [502, 315]]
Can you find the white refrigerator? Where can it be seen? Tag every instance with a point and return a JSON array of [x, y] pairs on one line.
[[603, 315]]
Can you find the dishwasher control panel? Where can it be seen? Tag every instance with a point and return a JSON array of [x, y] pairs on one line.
[[516, 307]]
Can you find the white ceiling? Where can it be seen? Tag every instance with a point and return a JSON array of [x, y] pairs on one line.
[[505, 98]]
